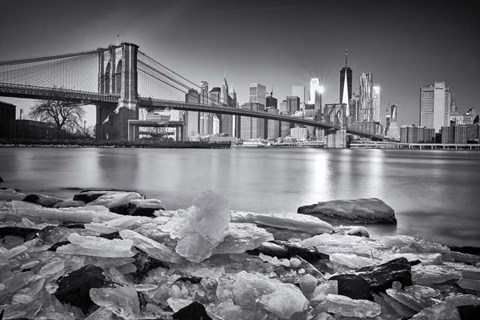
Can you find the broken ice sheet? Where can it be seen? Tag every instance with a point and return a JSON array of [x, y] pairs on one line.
[[242, 237], [299, 222], [97, 247], [341, 305], [151, 247]]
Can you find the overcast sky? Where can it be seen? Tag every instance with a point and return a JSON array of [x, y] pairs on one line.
[[405, 44]]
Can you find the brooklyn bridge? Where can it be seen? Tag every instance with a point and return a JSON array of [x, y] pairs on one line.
[[120, 80]]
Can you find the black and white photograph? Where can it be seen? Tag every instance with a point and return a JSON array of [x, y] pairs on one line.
[[239, 159]]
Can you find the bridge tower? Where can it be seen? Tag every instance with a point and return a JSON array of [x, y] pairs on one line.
[[117, 74]]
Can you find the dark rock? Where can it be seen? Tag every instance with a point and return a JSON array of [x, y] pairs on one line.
[[469, 312], [55, 246], [365, 210], [89, 195], [144, 264], [111, 236], [353, 286], [382, 276], [194, 311], [74, 288], [25, 233], [144, 207], [1, 180], [43, 200], [193, 280], [467, 249], [72, 225]]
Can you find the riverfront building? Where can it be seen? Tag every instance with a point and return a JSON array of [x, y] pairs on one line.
[[7, 120], [299, 91], [435, 102], [414, 134], [192, 118], [366, 96], [292, 104]]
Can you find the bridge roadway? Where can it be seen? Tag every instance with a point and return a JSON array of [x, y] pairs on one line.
[[85, 97]]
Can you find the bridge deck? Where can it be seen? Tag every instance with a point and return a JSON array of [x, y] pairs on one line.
[[34, 92]]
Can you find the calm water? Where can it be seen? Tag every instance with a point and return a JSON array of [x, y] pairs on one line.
[[435, 194]]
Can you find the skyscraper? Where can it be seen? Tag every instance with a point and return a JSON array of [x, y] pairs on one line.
[[345, 82], [314, 87], [226, 120], [293, 104], [316, 91], [299, 91], [258, 94], [376, 102], [366, 98], [435, 106]]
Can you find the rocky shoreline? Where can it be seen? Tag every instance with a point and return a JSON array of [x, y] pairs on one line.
[[110, 254]]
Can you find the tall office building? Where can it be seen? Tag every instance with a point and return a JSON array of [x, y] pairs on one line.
[[391, 128], [435, 106], [316, 91], [252, 128], [226, 120], [345, 82], [376, 102], [271, 102], [299, 91], [293, 104], [258, 94], [366, 97]]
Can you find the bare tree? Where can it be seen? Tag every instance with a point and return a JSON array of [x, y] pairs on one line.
[[65, 115]]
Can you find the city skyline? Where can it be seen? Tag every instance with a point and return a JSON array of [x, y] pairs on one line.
[[403, 59]]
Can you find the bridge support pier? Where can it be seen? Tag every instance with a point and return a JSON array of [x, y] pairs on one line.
[[336, 139], [101, 129]]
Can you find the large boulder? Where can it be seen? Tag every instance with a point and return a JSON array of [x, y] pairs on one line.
[[364, 210]]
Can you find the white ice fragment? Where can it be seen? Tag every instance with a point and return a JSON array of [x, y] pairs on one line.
[[348, 307], [242, 237], [151, 247], [97, 247], [299, 222], [79, 214], [177, 304]]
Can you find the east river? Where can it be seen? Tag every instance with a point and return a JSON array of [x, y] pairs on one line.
[[435, 194]]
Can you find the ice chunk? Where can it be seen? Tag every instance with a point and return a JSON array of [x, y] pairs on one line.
[[12, 252], [200, 228], [79, 214], [469, 272], [407, 299], [439, 311], [423, 293], [350, 260], [122, 301], [115, 199], [151, 247], [463, 300], [341, 305], [323, 289], [10, 195], [242, 237], [431, 274], [424, 258], [252, 290], [469, 284], [97, 247], [300, 222], [284, 301], [177, 304]]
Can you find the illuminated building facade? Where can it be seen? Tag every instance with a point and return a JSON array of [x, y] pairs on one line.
[[345, 82], [376, 102], [366, 96], [435, 106]]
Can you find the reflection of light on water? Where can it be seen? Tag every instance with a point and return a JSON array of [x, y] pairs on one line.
[[320, 181], [375, 175]]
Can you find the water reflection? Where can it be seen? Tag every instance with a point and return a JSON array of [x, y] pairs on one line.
[[434, 193]]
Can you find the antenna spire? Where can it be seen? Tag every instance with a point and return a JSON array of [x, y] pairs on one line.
[[346, 57]]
